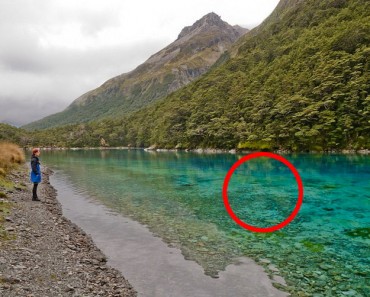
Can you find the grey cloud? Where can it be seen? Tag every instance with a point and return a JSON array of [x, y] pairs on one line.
[[45, 82], [36, 81], [95, 22], [20, 111], [17, 60]]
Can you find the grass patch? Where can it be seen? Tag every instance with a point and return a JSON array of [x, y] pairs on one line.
[[11, 156], [4, 211], [4, 206], [6, 184]]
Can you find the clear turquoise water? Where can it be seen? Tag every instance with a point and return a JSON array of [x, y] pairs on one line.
[[324, 251]]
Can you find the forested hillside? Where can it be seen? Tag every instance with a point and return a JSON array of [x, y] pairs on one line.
[[300, 81], [12, 134]]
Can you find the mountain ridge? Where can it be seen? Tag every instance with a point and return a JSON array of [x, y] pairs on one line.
[[189, 56]]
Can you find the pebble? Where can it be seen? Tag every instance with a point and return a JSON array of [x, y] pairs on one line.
[[45, 258]]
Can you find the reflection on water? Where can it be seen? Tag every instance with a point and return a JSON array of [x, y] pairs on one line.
[[178, 195]]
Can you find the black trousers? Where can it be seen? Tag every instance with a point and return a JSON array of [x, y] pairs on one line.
[[34, 190]]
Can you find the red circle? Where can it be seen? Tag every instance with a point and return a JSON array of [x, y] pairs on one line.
[[295, 210]]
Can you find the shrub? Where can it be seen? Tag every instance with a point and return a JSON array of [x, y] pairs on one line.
[[10, 154]]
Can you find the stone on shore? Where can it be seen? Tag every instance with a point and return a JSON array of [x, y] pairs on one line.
[[47, 255]]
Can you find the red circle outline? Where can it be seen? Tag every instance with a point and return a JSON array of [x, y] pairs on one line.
[[293, 213]]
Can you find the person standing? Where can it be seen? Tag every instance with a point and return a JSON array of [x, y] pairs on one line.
[[35, 172]]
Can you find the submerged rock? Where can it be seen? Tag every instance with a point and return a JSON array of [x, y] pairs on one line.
[[359, 232]]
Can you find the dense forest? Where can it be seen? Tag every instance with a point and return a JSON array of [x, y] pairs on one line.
[[300, 82]]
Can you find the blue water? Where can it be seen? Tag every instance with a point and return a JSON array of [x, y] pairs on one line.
[[325, 250]]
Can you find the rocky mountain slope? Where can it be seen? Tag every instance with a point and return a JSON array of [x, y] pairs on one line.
[[192, 54]]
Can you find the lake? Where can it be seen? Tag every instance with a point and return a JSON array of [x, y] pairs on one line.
[[178, 195]]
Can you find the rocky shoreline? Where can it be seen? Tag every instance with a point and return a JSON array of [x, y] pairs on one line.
[[211, 150], [45, 254]]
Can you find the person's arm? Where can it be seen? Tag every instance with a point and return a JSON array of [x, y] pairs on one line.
[[34, 166]]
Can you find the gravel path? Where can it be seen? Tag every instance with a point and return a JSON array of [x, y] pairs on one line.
[[49, 255]]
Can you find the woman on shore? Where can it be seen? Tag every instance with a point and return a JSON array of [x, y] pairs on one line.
[[35, 172]]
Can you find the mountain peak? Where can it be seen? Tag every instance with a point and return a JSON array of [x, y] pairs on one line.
[[209, 20]]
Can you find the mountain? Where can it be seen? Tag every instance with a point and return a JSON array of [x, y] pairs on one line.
[[189, 56], [298, 82]]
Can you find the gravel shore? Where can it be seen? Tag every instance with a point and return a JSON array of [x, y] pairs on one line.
[[46, 254]]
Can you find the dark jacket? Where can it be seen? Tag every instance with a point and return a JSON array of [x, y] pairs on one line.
[[35, 169]]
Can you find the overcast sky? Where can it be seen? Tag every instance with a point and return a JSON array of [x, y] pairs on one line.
[[53, 51]]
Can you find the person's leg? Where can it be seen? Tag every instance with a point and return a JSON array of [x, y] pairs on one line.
[[34, 192]]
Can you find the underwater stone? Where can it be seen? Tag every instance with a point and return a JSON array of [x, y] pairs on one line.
[[359, 232], [323, 277], [350, 293], [321, 283]]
